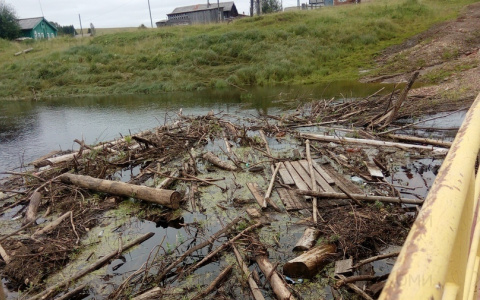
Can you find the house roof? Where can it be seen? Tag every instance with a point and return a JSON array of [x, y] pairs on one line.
[[30, 23], [227, 6]]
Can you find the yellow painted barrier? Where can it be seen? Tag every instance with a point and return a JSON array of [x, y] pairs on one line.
[[441, 255]]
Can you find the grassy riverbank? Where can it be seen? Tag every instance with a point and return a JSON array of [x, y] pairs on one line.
[[293, 47]]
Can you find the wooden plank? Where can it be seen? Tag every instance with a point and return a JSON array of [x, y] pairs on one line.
[[374, 170], [324, 174], [323, 184], [299, 182], [303, 174], [291, 200], [343, 266], [254, 189], [286, 177]]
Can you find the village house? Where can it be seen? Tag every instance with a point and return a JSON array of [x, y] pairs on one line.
[[37, 28], [200, 14]]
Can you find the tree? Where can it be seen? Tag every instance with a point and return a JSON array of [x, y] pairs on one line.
[[9, 28], [271, 6]]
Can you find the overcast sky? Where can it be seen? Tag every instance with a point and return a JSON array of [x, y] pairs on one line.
[[109, 13]]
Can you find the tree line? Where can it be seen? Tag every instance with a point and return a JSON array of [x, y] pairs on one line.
[[9, 28]]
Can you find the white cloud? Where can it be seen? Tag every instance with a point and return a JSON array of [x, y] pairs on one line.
[[109, 13]]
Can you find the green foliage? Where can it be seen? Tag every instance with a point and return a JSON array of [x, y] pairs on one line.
[[9, 28], [271, 6]]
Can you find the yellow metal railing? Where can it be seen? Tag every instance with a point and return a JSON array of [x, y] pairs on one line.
[[441, 255]]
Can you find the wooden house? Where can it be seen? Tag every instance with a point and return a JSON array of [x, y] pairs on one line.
[[37, 28], [202, 13]]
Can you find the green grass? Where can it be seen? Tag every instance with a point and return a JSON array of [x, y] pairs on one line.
[[298, 47]]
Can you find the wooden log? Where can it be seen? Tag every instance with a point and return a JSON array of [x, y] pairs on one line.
[[359, 197], [328, 138], [314, 182], [308, 239], [35, 200], [51, 291], [415, 139], [2, 292], [212, 239], [218, 281], [166, 198], [276, 282], [4, 255], [257, 295], [375, 258], [168, 181], [270, 186], [356, 289], [214, 160], [401, 99], [52, 225], [309, 263], [73, 293], [155, 293]]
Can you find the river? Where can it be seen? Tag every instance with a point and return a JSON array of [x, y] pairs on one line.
[[30, 129]]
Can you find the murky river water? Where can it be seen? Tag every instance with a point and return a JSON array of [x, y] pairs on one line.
[[30, 129]]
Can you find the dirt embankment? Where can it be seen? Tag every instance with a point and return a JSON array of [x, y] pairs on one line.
[[447, 56]]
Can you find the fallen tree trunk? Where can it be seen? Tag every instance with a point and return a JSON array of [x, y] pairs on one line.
[[416, 139], [308, 239], [213, 159], [52, 225], [166, 198], [5, 255], [35, 200], [328, 195], [257, 295], [309, 263], [278, 285], [329, 138], [215, 283], [51, 291]]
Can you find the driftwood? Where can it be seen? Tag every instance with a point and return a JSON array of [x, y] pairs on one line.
[[168, 181], [35, 200], [308, 239], [270, 186], [73, 293], [328, 138], [420, 140], [396, 107], [257, 295], [17, 231], [312, 177], [2, 292], [222, 247], [255, 190], [356, 289], [155, 293], [309, 263], [166, 198], [5, 255], [51, 291], [52, 225], [218, 281], [212, 239], [359, 197], [276, 282], [214, 160], [375, 258]]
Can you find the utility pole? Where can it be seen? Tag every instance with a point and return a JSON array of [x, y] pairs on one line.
[[218, 7], [251, 8], [151, 21], [81, 29]]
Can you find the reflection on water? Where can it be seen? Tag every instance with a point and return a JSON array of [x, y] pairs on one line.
[[31, 129]]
